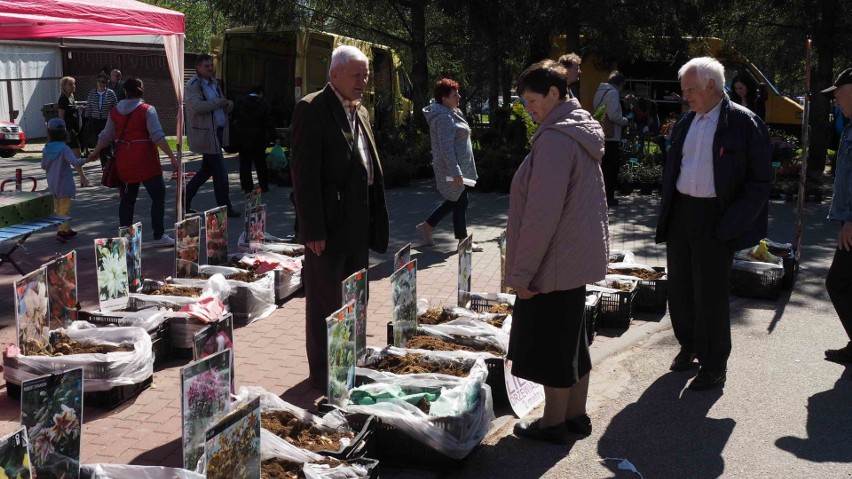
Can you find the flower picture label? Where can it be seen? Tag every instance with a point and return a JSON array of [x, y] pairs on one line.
[[402, 257], [404, 303], [187, 246], [31, 312], [215, 338], [341, 354], [133, 235], [52, 412], [465, 266], [355, 290], [232, 445], [256, 227], [205, 389], [216, 227], [14, 455], [62, 290], [111, 260]]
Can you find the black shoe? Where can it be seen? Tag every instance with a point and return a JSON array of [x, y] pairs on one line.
[[705, 380], [842, 355], [531, 430], [581, 425], [232, 213], [683, 361]]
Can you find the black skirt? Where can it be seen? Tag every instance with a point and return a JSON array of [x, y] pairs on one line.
[[548, 342]]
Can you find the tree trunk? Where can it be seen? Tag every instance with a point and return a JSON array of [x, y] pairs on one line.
[[508, 83], [823, 77], [539, 47], [493, 76], [419, 67]]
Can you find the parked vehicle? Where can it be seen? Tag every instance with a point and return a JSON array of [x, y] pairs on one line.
[[12, 139]]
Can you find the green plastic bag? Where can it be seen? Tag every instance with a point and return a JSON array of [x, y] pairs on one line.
[[276, 159]]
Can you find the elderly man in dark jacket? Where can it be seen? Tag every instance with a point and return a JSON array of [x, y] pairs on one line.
[[339, 194], [714, 201]]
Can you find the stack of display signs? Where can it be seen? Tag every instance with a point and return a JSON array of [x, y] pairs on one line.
[[216, 235], [215, 338], [205, 392], [404, 303], [187, 247]]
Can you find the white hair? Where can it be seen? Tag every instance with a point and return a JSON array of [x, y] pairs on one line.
[[345, 54], [706, 68]]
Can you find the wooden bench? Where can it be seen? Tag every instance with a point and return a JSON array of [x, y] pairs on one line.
[[21, 231]]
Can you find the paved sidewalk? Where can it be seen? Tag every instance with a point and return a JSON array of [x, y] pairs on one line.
[[270, 353]]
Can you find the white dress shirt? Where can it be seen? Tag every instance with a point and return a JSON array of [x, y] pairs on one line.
[[351, 109], [696, 168]]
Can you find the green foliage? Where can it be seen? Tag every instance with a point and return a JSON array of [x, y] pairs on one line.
[[202, 20], [406, 153], [520, 113]]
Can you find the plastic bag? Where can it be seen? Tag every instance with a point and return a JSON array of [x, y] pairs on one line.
[[215, 286], [759, 254], [272, 244], [276, 159], [101, 371], [272, 447], [621, 256], [478, 371], [121, 471], [248, 302], [288, 270], [613, 283], [755, 266], [468, 331], [332, 421]]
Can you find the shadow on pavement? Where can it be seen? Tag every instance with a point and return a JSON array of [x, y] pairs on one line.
[[515, 457], [667, 433], [304, 395], [167, 455], [828, 426]]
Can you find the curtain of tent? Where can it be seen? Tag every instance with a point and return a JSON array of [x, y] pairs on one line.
[[174, 54]]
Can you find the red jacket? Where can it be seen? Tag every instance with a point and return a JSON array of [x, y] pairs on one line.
[[135, 154]]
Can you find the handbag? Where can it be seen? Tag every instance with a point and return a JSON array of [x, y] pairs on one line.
[[109, 172], [603, 117]]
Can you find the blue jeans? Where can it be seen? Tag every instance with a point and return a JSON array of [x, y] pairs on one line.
[[156, 189], [459, 208], [211, 165]]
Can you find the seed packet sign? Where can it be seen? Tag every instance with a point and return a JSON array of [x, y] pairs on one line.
[[205, 389], [215, 338], [31, 311], [501, 242], [232, 448], [216, 226], [404, 302], [524, 395], [402, 257], [62, 290], [14, 455], [341, 353], [133, 235], [52, 412], [111, 261], [355, 289], [188, 234], [465, 266], [256, 227], [252, 199]]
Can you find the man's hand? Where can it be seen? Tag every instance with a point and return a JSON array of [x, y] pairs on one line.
[[459, 180], [844, 239], [175, 165], [229, 106], [525, 293], [316, 246]]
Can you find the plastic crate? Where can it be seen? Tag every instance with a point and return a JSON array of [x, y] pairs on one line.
[[653, 295], [765, 284], [160, 336], [496, 380], [116, 396], [591, 315], [90, 370], [617, 309]]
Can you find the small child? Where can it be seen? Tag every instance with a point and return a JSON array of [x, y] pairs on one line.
[[57, 160]]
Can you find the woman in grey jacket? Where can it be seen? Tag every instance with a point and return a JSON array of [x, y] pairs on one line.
[[452, 159]]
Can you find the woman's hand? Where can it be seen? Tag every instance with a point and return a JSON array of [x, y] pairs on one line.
[[94, 155], [525, 293], [175, 165], [844, 239]]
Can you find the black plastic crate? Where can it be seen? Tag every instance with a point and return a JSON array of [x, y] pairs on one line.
[[765, 284], [617, 309], [652, 295], [497, 381], [482, 305], [591, 315], [117, 395]]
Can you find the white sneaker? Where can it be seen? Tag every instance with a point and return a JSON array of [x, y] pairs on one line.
[[475, 247], [165, 241]]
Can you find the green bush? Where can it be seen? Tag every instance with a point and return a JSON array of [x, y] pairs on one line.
[[406, 153]]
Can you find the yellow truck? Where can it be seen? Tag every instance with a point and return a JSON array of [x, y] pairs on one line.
[[656, 79], [293, 62]]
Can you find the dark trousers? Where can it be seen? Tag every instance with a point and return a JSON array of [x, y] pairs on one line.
[[839, 286], [323, 275], [256, 156], [610, 166], [459, 209], [699, 273], [156, 189], [211, 166]]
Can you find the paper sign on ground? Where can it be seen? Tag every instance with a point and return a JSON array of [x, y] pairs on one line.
[[216, 227], [133, 235], [404, 303], [62, 290], [524, 395], [354, 288], [52, 412], [465, 266], [215, 338], [187, 246], [205, 392], [341, 354], [31, 311], [14, 455], [402, 257], [232, 446]]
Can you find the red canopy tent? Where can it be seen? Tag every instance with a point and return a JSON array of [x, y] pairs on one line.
[[21, 19]]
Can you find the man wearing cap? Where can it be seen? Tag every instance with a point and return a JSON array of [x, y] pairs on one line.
[[839, 279], [714, 201]]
